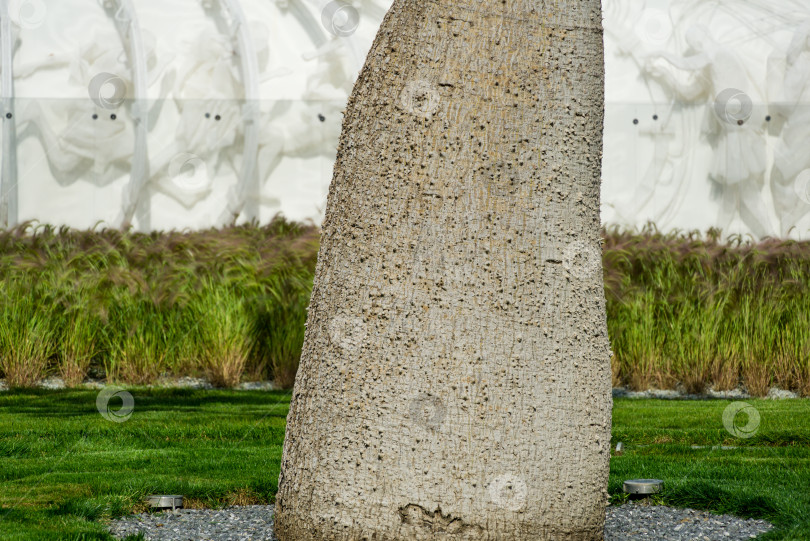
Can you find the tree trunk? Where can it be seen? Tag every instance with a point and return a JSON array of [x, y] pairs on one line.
[[455, 379]]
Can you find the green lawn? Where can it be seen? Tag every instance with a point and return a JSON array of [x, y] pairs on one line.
[[64, 468], [765, 475]]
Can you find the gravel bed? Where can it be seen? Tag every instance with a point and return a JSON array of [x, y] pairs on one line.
[[774, 393], [243, 523], [56, 383], [642, 522], [632, 522]]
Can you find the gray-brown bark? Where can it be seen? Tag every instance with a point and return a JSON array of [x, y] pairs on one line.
[[455, 379]]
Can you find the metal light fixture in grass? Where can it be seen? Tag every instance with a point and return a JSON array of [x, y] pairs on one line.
[[641, 488], [163, 502]]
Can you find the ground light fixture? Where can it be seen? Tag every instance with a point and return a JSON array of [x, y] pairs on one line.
[[643, 487], [164, 502]]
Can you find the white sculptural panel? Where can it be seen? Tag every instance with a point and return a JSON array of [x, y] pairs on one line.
[[698, 98], [707, 110], [75, 103]]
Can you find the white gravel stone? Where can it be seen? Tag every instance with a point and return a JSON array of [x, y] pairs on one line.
[[184, 383], [669, 394], [52, 383], [733, 394], [778, 394], [257, 386], [618, 392], [55, 383]]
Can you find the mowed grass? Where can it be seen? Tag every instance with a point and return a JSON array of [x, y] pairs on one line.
[[765, 474], [65, 470]]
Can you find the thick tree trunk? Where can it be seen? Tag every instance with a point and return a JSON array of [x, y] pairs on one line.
[[455, 380]]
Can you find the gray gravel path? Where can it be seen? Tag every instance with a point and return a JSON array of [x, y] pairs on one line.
[[629, 522], [243, 523], [641, 522]]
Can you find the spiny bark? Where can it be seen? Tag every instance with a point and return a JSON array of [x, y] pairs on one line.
[[455, 379]]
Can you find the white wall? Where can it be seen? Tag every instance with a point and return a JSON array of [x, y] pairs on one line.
[[660, 169], [73, 169]]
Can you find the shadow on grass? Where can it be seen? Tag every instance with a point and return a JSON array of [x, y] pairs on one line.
[[703, 495], [73, 403]]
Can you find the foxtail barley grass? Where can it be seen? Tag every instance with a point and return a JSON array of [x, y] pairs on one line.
[[136, 307], [280, 322], [223, 330], [77, 344], [684, 309], [27, 331]]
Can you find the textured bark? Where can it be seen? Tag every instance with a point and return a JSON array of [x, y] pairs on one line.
[[455, 379]]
